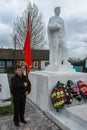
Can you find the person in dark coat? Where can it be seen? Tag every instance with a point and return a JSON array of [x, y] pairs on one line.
[[20, 89]]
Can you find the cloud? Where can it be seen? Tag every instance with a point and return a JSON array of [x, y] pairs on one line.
[[76, 33], [4, 35], [76, 29], [77, 49], [74, 13], [9, 10]]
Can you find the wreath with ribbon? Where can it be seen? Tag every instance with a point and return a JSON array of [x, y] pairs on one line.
[[83, 88], [74, 89], [68, 95], [57, 96]]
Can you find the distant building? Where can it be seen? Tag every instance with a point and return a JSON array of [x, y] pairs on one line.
[[79, 66], [9, 58]]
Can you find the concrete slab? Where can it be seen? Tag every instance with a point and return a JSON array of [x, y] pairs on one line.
[[80, 111], [78, 114], [5, 91], [4, 103], [42, 84], [64, 121]]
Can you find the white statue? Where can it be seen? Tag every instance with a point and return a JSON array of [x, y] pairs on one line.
[[56, 36], [57, 43]]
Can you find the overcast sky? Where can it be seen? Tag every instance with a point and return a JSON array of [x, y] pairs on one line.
[[74, 13]]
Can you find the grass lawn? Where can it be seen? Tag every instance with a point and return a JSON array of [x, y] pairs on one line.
[[10, 75], [7, 110]]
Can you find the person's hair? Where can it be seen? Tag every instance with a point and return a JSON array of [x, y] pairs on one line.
[[18, 67]]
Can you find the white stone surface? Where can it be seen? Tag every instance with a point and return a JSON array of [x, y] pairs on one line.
[[64, 121], [42, 84], [57, 44], [5, 92], [56, 36], [5, 103], [65, 68], [78, 113]]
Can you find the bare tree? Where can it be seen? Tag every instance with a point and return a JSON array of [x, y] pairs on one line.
[[76, 61], [37, 28]]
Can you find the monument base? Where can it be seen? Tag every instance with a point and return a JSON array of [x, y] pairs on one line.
[[5, 90], [42, 84], [5, 103], [71, 118], [66, 67]]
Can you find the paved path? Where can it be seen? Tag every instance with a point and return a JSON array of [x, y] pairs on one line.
[[35, 117]]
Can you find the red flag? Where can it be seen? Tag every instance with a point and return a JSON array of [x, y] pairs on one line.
[[27, 48]]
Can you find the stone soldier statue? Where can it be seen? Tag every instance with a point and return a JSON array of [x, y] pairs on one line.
[[56, 36]]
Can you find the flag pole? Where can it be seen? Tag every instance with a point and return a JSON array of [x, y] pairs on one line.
[[26, 73], [27, 68], [27, 49]]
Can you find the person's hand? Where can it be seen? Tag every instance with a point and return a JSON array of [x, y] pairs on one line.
[[26, 93], [25, 84]]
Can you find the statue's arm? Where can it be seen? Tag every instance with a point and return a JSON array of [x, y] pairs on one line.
[[54, 26]]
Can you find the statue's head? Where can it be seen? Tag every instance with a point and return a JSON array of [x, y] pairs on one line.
[[57, 11]]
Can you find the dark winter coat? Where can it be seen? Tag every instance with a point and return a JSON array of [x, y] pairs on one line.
[[17, 86]]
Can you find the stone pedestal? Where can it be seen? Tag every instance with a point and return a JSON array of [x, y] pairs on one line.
[[66, 67], [5, 90], [44, 81], [42, 84]]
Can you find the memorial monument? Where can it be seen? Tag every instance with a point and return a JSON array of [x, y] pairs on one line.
[[57, 44], [61, 70]]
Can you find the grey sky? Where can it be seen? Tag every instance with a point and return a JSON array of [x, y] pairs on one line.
[[74, 13]]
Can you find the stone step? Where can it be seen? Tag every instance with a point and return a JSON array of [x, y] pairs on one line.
[[71, 117], [64, 121], [76, 102], [78, 114]]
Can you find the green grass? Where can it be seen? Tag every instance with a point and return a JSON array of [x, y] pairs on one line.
[[8, 110], [10, 75]]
